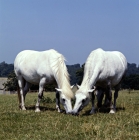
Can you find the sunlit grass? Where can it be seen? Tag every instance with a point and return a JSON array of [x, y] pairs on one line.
[[51, 125]]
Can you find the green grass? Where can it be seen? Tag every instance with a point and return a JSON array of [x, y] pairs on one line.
[[51, 125]]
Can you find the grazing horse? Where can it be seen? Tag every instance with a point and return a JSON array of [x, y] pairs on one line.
[[105, 69], [40, 68]]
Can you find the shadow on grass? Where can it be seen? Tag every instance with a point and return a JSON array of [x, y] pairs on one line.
[[103, 110], [42, 108]]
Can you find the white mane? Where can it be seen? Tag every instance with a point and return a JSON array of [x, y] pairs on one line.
[[87, 74], [61, 74]]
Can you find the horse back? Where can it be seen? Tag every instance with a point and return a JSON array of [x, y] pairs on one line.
[[34, 65]]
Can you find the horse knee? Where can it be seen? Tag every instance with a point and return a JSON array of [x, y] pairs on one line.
[[40, 96]]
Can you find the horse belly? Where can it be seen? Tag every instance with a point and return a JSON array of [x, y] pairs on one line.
[[112, 80], [31, 78]]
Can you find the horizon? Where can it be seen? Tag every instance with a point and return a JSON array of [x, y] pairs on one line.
[[137, 65]]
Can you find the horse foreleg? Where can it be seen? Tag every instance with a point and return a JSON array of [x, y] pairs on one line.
[[109, 97], [40, 95], [58, 101], [93, 98]]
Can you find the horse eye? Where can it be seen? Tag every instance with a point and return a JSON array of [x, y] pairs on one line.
[[63, 100], [83, 100]]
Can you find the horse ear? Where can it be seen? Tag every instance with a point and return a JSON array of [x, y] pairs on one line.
[[77, 86], [58, 89], [91, 90], [72, 86]]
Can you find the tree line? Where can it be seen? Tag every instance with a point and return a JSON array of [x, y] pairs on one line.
[[131, 80]]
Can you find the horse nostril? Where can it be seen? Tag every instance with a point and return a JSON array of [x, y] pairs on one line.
[[72, 113]]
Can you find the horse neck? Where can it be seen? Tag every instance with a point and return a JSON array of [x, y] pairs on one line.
[[63, 82], [65, 86], [62, 78], [86, 81], [89, 79]]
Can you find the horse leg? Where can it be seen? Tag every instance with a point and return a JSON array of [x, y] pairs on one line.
[[109, 97], [116, 95], [106, 100], [93, 98], [40, 94], [58, 101], [100, 95], [26, 89], [21, 86]]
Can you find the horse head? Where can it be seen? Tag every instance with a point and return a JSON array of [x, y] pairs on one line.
[[65, 101], [82, 100]]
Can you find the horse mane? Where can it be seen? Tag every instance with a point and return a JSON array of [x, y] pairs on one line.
[[61, 74], [87, 71]]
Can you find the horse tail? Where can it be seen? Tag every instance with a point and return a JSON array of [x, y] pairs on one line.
[[19, 96]]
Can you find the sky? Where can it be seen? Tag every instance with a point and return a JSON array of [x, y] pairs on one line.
[[72, 27]]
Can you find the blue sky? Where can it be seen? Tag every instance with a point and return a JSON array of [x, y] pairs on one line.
[[72, 27]]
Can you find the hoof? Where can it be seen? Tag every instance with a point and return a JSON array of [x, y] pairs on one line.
[[37, 110], [112, 111], [23, 108], [59, 111], [92, 112]]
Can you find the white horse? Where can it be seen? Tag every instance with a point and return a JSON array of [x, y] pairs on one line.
[[40, 68], [104, 69]]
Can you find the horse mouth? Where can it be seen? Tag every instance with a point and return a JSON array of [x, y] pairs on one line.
[[77, 112]]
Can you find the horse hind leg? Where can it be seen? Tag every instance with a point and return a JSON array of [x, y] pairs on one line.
[[21, 93], [100, 96], [26, 89]]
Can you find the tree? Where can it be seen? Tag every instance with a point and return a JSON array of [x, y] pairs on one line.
[[11, 84], [79, 74], [131, 82], [5, 69], [72, 72]]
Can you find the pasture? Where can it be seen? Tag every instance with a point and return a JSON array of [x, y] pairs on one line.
[[51, 125]]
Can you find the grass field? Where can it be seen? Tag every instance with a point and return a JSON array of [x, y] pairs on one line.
[[51, 125]]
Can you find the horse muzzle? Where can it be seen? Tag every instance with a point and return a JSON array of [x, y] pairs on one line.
[[68, 112], [75, 113]]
